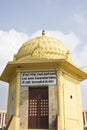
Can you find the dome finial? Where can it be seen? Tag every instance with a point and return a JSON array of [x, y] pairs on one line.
[[43, 32]]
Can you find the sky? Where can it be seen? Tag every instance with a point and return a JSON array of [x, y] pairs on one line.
[[21, 20]]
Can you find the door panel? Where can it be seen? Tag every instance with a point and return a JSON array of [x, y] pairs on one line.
[[38, 107]]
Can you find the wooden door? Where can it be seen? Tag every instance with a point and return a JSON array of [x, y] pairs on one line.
[[38, 108]]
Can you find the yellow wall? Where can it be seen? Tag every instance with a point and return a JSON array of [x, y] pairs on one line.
[[72, 104], [11, 98], [69, 107]]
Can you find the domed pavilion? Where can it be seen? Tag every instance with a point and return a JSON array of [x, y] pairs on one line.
[[44, 87]]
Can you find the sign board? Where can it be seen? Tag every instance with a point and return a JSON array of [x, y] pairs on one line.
[[41, 78]]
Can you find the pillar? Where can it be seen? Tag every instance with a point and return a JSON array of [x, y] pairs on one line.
[[8, 105], [17, 100], [60, 100]]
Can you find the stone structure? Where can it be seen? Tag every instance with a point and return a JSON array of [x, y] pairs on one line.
[[85, 119], [44, 87], [2, 119]]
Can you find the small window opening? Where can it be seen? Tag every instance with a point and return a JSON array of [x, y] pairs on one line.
[[71, 96]]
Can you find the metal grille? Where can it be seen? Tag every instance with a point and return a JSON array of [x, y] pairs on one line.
[[33, 108], [44, 107]]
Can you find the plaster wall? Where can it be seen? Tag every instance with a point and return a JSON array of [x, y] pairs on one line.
[[72, 104], [12, 97]]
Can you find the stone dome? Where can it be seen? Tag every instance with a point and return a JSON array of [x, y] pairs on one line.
[[42, 47]]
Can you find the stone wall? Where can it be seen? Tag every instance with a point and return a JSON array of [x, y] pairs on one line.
[[24, 107], [24, 97], [52, 107]]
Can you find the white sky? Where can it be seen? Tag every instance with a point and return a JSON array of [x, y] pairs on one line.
[[22, 20]]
